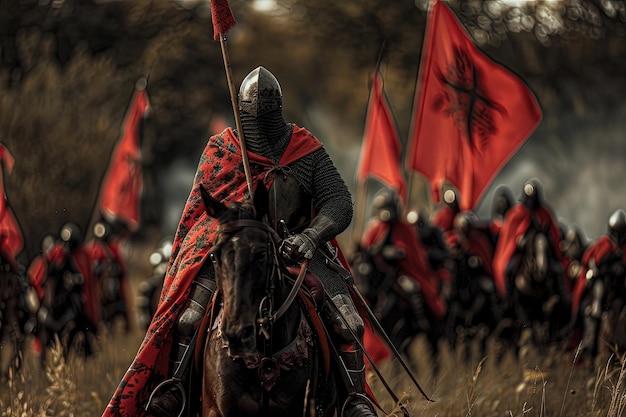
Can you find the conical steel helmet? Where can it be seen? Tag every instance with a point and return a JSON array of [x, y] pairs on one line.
[[260, 93]]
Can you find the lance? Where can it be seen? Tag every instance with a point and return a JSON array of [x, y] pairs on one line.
[[223, 21]]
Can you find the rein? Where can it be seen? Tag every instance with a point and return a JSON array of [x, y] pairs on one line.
[[269, 317]]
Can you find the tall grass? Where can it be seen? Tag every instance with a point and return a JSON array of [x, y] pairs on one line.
[[542, 385]]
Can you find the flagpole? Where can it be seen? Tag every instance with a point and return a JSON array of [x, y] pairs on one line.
[[233, 100], [418, 77], [141, 84], [359, 220], [361, 191]]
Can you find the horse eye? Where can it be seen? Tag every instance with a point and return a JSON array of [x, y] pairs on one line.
[[213, 257], [261, 256]]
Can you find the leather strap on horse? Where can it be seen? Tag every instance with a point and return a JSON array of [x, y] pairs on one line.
[[292, 294], [207, 321]]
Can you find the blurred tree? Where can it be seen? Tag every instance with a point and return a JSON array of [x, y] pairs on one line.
[[68, 67]]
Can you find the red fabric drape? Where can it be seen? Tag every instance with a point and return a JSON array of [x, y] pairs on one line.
[[82, 260], [380, 151], [99, 251], [220, 172], [472, 114], [597, 251], [516, 223], [11, 238], [121, 188], [222, 17], [415, 264]]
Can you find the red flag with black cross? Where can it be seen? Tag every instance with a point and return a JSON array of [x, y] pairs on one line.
[[472, 114], [120, 191]]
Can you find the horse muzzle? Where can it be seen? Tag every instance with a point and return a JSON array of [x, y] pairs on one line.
[[240, 340]]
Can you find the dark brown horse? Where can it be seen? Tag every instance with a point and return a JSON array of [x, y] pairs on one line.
[[540, 301], [262, 355]]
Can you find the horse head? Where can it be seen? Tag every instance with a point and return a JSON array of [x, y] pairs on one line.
[[537, 257], [244, 255]]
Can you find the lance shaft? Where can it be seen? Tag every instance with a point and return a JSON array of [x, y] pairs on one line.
[[233, 100]]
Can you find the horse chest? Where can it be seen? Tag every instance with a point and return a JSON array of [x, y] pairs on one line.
[[273, 363]]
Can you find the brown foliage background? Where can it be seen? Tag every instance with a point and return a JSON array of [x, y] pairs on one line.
[[68, 69]]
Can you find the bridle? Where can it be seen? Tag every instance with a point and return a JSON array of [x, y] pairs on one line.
[[267, 314]]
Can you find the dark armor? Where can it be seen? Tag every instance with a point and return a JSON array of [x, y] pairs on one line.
[[502, 201], [617, 226]]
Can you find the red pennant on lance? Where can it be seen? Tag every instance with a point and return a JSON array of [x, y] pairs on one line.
[[222, 17], [381, 150], [122, 184], [472, 114], [11, 239]]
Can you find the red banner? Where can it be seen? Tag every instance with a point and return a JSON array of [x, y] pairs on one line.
[[222, 17], [472, 114], [121, 188], [381, 150]]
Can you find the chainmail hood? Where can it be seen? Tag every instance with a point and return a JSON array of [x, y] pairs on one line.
[[260, 108]]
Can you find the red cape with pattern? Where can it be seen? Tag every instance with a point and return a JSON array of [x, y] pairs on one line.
[[516, 223], [414, 264], [220, 171]]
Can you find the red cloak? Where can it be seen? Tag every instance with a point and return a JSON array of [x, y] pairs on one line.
[[220, 171], [597, 251], [516, 223], [415, 264]]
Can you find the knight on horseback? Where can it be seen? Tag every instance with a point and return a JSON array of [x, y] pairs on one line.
[[603, 264], [307, 195], [530, 211], [394, 243]]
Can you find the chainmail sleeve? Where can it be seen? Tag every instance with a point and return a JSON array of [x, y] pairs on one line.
[[318, 175]]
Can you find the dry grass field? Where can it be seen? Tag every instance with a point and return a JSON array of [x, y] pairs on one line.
[[536, 385]]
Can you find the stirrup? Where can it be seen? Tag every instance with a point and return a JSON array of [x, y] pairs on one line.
[[176, 382], [354, 396]]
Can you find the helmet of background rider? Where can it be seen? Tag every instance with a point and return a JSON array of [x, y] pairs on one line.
[[71, 235], [502, 201], [617, 226], [532, 194], [574, 241], [386, 205], [451, 200], [102, 230], [418, 218]]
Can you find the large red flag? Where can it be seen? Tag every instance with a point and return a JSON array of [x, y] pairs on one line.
[[11, 239], [472, 114], [380, 151], [122, 184]]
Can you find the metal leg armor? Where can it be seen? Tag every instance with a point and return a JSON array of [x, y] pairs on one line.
[[357, 403], [169, 397], [338, 318]]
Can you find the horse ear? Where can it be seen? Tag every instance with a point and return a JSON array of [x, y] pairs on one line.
[[261, 200], [213, 206]]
